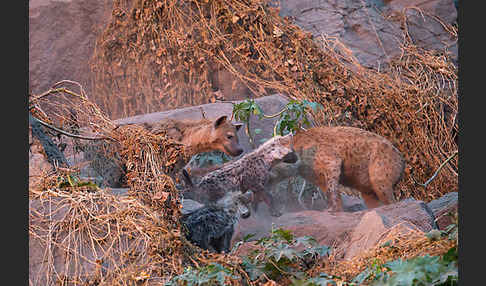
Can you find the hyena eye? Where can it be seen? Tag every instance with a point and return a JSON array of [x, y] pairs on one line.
[[229, 136]]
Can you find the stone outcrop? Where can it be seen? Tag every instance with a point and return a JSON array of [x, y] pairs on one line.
[[350, 232], [373, 29]]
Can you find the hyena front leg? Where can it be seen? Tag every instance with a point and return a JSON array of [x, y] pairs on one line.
[[262, 194], [327, 178]]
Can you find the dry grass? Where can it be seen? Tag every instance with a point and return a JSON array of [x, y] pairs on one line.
[[156, 55], [88, 235]]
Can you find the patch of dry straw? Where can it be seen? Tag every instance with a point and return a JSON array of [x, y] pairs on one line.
[[84, 235]]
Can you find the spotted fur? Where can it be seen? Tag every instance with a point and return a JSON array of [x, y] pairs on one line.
[[250, 172], [349, 156], [211, 227]]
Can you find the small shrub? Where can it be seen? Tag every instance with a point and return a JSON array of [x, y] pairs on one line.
[[212, 274], [418, 271], [279, 258]]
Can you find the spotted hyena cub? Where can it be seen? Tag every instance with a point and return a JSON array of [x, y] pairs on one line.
[[211, 227], [250, 172]]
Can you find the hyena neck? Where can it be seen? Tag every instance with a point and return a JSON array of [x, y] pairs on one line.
[[197, 139]]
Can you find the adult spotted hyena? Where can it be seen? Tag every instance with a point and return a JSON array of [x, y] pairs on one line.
[[196, 135], [350, 156]]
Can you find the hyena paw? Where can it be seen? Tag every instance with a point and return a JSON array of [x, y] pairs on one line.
[[275, 213]]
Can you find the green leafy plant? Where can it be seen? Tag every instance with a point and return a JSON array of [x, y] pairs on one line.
[[211, 158], [71, 180], [418, 271], [292, 117], [211, 274], [280, 258]]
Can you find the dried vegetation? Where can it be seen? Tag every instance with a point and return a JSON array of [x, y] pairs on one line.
[[159, 54]]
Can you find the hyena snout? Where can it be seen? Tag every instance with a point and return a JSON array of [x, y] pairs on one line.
[[245, 213], [290, 158], [233, 149]]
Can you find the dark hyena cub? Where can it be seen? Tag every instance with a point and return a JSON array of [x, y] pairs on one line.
[[211, 227], [250, 172]]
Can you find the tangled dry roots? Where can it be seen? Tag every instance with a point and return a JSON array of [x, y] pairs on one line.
[[156, 55], [84, 235]]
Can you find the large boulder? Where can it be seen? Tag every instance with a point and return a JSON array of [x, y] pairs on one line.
[[349, 232], [270, 105], [373, 29], [62, 37]]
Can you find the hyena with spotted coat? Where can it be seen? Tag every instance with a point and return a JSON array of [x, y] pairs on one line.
[[211, 227], [200, 136], [250, 172], [196, 135], [352, 157]]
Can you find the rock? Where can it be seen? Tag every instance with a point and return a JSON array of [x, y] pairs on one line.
[[62, 37], [442, 207], [371, 29], [414, 212], [349, 232], [38, 166], [375, 224], [270, 105]]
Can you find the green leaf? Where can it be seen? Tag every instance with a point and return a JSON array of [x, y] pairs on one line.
[[283, 251], [257, 131], [360, 278], [281, 233], [451, 255], [305, 240], [321, 251], [248, 237]]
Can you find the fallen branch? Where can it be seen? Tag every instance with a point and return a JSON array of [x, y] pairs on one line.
[[436, 172], [71, 134]]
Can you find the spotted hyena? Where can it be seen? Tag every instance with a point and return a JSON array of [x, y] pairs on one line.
[[250, 172], [352, 157], [211, 227], [203, 135], [197, 136]]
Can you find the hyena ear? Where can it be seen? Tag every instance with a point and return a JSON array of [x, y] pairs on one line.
[[238, 126], [186, 177], [220, 121]]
